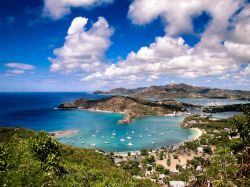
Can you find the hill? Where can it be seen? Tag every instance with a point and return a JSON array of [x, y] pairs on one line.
[[179, 91], [131, 107], [28, 158]]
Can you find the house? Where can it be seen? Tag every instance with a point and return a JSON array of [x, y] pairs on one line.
[[177, 184]]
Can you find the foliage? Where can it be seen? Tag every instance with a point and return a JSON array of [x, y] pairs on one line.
[[131, 166], [162, 170], [35, 162]]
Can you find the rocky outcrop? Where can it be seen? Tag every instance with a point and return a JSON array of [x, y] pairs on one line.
[[132, 108]]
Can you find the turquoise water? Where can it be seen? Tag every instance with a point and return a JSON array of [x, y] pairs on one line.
[[101, 131], [36, 111]]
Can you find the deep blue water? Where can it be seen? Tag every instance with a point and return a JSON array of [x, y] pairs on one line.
[[36, 111]]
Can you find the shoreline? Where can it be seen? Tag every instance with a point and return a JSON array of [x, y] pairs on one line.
[[60, 134], [197, 133]]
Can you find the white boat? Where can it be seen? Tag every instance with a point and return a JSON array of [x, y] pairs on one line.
[[93, 135], [130, 144], [133, 132], [153, 142], [146, 129], [161, 133], [166, 128], [106, 142], [93, 145], [140, 136], [122, 140], [112, 137], [82, 142], [153, 132], [114, 134], [102, 136], [171, 131], [129, 138], [97, 131], [149, 135]]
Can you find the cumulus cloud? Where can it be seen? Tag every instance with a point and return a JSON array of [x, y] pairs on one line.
[[58, 8], [167, 56], [83, 50], [220, 52], [178, 14]]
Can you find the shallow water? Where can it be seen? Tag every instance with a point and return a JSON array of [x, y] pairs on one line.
[[36, 111]]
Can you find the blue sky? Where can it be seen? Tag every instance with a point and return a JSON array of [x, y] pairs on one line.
[[134, 43]]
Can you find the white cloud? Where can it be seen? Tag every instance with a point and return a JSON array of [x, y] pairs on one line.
[[83, 50], [167, 56], [221, 52], [20, 66], [178, 13], [15, 71], [239, 51], [58, 8], [15, 68]]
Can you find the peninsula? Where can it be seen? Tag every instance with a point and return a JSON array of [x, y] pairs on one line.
[[131, 107]]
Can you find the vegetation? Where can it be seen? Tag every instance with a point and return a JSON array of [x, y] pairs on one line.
[[36, 159]]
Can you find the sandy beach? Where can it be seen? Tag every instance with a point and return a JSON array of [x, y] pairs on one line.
[[59, 134]]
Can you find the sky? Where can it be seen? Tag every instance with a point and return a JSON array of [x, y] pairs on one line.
[[86, 45]]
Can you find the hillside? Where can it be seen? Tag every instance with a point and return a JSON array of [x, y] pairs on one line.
[[179, 91], [28, 158], [132, 108]]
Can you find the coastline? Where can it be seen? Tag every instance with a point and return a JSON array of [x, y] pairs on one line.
[[59, 134]]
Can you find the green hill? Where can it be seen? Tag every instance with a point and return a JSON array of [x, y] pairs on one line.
[[28, 158]]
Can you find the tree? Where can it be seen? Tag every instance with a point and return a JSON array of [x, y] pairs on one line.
[[144, 152], [242, 124], [46, 149], [4, 155], [223, 168]]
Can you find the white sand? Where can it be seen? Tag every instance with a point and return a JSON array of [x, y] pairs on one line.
[[59, 134]]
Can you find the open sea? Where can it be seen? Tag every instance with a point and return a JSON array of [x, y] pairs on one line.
[[94, 129]]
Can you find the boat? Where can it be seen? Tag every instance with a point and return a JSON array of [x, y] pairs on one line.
[[93, 135], [140, 136], [122, 140], [114, 134], [106, 142], [171, 131], [149, 135], [161, 133], [146, 129], [93, 144], [153, 132], [133, 132], [112, 137], [82, 142], [130, 144], [97, 131], [153, 142], [129, 138]]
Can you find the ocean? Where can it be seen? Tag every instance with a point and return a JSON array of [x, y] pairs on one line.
[[94, 129]]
